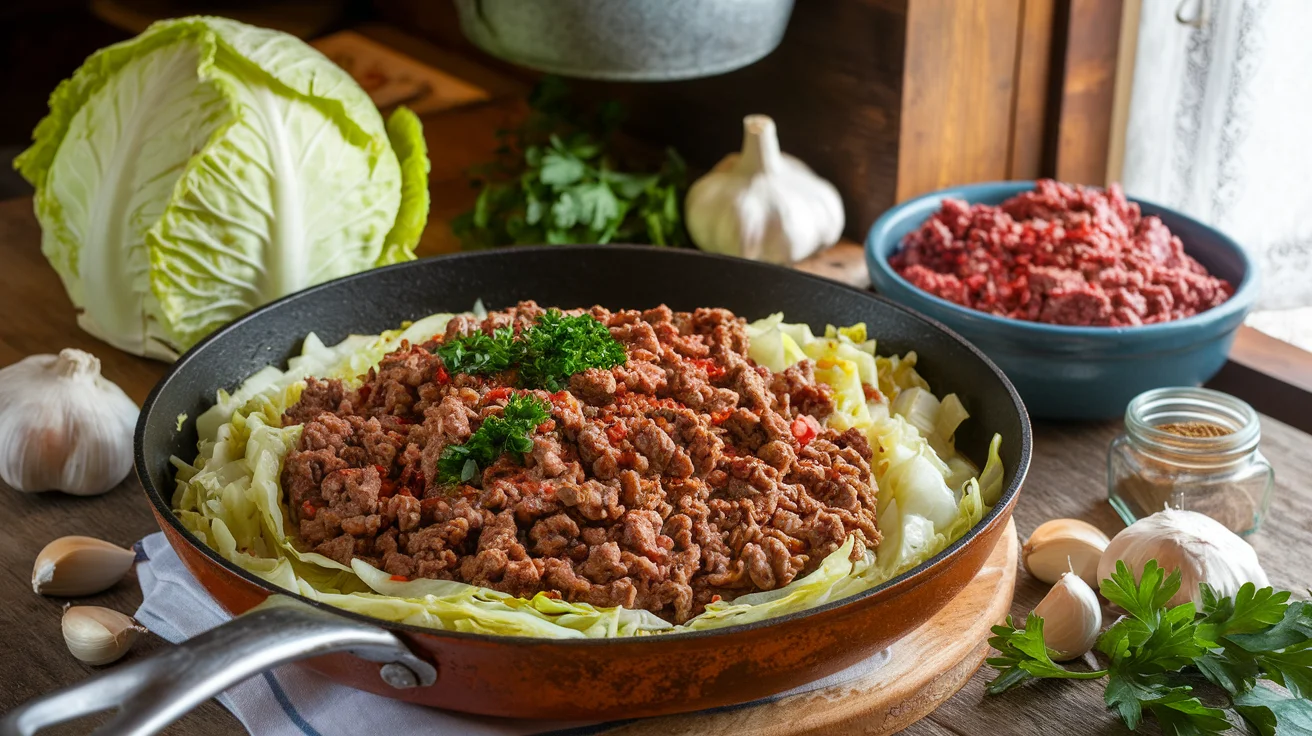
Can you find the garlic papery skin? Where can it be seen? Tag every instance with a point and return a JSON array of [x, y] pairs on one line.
[[763, 204], [98, 635], [1200, 547], [1063, 545], [1072, 617], [63, 426], [71, 566]]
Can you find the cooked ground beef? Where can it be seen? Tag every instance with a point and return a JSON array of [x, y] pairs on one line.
[[685, 474], [1060, 254]]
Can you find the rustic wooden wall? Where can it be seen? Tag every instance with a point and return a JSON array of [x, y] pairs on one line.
[[1091, 31], [886, 98], [958, 93], [834, 88]]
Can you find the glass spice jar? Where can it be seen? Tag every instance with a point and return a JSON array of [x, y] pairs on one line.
[[1194, 449]]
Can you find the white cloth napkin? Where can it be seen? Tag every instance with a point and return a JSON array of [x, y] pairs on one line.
[[294, 701]]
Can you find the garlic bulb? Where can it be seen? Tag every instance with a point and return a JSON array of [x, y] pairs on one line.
[[1072, 617], [98, 635], [1200, 547], [1063, 545], [79, 566], [63, 426], [763, 204]]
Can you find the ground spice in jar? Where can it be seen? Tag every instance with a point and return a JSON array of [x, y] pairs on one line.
[[1194, 429], [1190, 448]]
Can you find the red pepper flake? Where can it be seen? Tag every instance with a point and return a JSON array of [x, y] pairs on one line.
[[547, 426], [715, 598], [384, 472], [400, 578], [548, 490], [496, 393], [719, 417], [442, 377], [713, 370], [805, 428], [872, 393], [308, 510], [551, 594], [616, 432]]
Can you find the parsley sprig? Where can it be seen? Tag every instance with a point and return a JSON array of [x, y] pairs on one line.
[[1154, 651], [512, 431], [557, 179], [1025, 657], [546, 353]]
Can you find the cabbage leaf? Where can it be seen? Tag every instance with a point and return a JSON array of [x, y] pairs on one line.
[[206, 167]]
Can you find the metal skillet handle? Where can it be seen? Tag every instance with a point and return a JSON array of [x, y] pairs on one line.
[[156, 691]]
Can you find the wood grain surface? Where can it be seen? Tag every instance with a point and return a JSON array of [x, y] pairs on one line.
[[1067, 478], [957, 93], [1030, 108], [1091, 32]]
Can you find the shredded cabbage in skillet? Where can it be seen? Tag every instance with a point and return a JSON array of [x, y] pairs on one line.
[[929, 495]]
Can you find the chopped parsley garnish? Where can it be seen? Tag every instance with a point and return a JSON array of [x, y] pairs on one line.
[[1154, 651], [497, 435], [557, 347], [546, 353], [479, 353]]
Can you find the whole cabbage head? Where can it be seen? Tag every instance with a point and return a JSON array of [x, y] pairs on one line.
[[206, 167]]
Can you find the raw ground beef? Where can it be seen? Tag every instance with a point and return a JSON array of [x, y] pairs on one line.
[[687, 473], [1060, 254]]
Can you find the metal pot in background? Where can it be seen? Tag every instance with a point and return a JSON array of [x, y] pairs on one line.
[[633, 41]]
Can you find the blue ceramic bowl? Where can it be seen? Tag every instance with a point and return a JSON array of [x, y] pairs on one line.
[[1079, 372]]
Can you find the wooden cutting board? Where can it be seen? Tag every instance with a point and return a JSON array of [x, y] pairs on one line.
[[922, 670]]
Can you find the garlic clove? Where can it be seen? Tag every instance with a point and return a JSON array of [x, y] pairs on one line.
[[71, 566], [63, 426], [1200, 547], [1072, 617], [98, 635], [1062, 545]]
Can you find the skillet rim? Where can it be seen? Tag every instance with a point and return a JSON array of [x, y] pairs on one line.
[[920, 574]]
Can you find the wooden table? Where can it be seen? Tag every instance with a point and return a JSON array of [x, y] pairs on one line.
[[1066, 479]]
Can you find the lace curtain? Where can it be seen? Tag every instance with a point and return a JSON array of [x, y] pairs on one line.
[[1220, 127]]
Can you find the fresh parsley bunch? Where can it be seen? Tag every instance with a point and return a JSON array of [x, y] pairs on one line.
[[512, 431], [557, 180], [1154, 652]]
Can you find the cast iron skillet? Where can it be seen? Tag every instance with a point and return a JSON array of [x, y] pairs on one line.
[[519, 676]]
